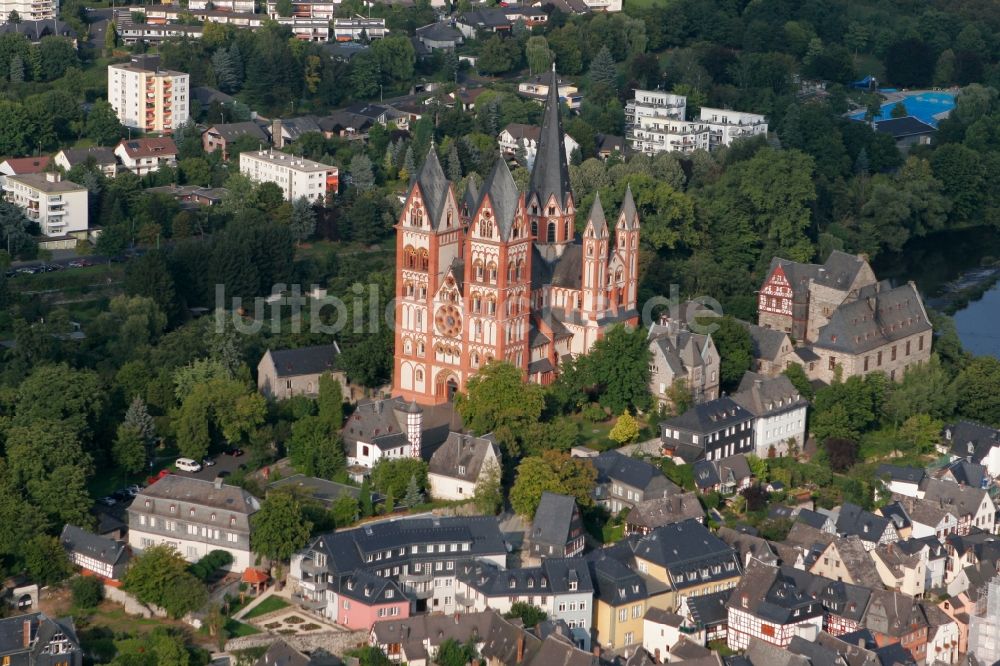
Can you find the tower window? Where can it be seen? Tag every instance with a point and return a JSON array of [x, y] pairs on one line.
[[534, 229], [551, 235]]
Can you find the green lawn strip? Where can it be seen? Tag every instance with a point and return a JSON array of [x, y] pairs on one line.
[[269, 605]]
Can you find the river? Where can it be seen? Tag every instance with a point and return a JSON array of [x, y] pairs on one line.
[[945, 262]]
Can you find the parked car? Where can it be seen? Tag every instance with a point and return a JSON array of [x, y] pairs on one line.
[[187, 465], [133, 490], [234, 452], [208, 462]]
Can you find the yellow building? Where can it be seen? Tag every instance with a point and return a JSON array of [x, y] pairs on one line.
[[621, 599]]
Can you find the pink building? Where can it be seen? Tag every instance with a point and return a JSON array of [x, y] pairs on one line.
[[363, 599]]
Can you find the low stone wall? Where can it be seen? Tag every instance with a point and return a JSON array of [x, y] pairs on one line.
[[334, 642], [132, 605]]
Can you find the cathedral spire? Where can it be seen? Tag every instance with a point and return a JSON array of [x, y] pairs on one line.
[[596, 218], [550, 175]]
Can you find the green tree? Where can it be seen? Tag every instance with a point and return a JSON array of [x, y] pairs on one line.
[[497, 400], [626, 429], [331, 401], [395, 57], [279, 528], [57, 55], [370, 655], [46, 560], [87, 591], [392, 476], [495, 57], [302, 221], [899, 111], [554, 472], [365, 503], [488, 495], [414, 495], [925, 389], [315, 448], [453, 653], [735, 347], [797, 375], [160, 647], [603, 73], [529, 614], [160, 576], [362, 175], [345, 510], [149, 276], [617, 369], [129, 449], [976, 385], [137, 417], [103, 125], [538, 54], [922, 431]]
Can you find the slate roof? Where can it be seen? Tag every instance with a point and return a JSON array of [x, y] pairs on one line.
[[710, 473], [381, 423], [304, 360], [617, 584], [233, 131], [107, 551], [899, 128], [857, 561], [487, 17], [296, 127], [504, 197], [851, 653], [680, 348], [35, 30], [567, 270], [902, 474], [200, 492], [205, 96], [708, 610], [321, 490], [613, 466], [100, 154], [470, 198], [893, 613], [43, 630], [440, 32], [557, 651], [710, 416], [967, 473], [690, 553], [553, 575], [971, 440], [550, 174], [768, 396], [434, 187], [346, 550], [554, 520], [818, 655], [852, 519], [960, 499], [813, 519], [895, 560], [761, 653], [369, 589], [628, 211], [596, 220], [880, 317], [662, 511], [766, 342], [462, 451], [748, 545], [775, 594]]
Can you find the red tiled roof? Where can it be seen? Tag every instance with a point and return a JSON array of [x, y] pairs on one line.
[[149, 147], [23, 165], [254, 576]]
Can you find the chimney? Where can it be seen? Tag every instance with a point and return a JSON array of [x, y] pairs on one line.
[[26, 633], [218, 483], [758, 384], [276, 139], [520, 647]]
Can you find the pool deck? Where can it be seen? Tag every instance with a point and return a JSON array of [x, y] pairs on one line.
[[901, 95]]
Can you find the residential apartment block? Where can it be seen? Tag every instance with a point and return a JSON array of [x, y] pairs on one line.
[[58, 206], [296, 176], [147, 97], [29, 10], [195, 517], [714, 430], [656, 123], [357, 28]]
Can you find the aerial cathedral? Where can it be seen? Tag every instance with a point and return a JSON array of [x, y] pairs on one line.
[[502, 274]]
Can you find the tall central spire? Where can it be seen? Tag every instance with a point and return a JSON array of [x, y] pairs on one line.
[[550, 175]]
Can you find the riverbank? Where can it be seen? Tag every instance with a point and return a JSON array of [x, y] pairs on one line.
[[969, 287]]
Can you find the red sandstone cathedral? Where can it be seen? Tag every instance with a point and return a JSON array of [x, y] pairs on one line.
[[501, 274]]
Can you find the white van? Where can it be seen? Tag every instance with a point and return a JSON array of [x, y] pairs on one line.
[[187, 465]]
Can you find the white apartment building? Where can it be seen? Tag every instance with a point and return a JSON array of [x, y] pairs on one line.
[[29, 10], [147, 97], [656, 123], [296, 176], [352, 29], [238, 6], [603, 5], [307, 9], [58, 206], [727, 126]]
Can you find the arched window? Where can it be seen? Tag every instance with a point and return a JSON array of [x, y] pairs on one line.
[[491, 270], [552, 210], [618, 275], [511, 272], [477, 302], [408, 289], [419, 375], [534, 229], [407, 346], [424, 261], [409, 257], [477, 269], [420, 349], [479, 330], [448, 222], [551, 235], [475, 360], [520, 269], [566, 232], [417, 216], [491, 306]]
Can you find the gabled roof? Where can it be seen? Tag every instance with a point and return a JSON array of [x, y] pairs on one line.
[[41, 629], [550, 174], [967, 473], [901, 474], [100, 154], [971, 440], [710, 416], [470, 198], [857, 561], [768, 396], [439, 32], [233, 131], [107, 551], [879, 317], [381, 423], [434, 186], [690, 553], [369, 589], [200, 492], [961, 500], [137, 148], [553, 520], [709, 609], [613, 466], [662, 511], [766, 342], [628, 212], [462, 456], [304, 360], [893, 613], [25, 165], [596, 220], [35, 30], [852, 519]]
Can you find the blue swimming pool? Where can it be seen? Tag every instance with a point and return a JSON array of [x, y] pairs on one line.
[[924, 105]]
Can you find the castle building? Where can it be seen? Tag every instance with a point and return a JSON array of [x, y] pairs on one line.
[[502, 274]]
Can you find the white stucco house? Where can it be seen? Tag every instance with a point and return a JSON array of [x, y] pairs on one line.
[[458, 465]]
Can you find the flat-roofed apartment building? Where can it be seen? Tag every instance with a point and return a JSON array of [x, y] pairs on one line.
[[29, 10], [147, 97], [296, 176], [58, 206]]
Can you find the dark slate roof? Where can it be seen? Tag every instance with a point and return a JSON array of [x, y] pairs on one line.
[[690, 553], [861, 523], [554, 575], [504, 197], [465, 451], [968, 473], [768, 396], [709, 609], [613, 466], [378, 422], [550, 173], [281, 653], [567, 270], [705, 474], [205, 96], [616, 583], [812, 518], [233, 131], [662, 511], [296, 127], [961, 500], [35, 30], [556, 650], [43, 630], [433, 186], [903, 127], [817, 655], [470, 199], [553, 520], [100, 154], [628, 211], [893, 613], [879, 317], [487, 17], [897, 473], [971, 440], [776, 594], [710, 416], [107, 551], [370, 111], [321, 490], [369, 589], [440, 32], [346, 550], [304, 360]]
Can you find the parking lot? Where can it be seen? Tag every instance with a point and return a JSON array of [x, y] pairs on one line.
[[224, 466]]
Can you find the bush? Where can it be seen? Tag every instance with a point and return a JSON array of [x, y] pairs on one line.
[[87, 591], [594, 413], [204, 568]]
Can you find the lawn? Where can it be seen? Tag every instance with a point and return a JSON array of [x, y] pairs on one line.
[[612, 533], [269, 605], [644, 4], [596, 435], [70, 279], [235, 629]]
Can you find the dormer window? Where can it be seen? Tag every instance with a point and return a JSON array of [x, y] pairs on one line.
[[572, 586], [461, 470], [173, 508], [149, 504], [212, 517]]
